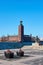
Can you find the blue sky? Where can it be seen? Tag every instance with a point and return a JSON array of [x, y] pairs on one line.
[[29, 11]]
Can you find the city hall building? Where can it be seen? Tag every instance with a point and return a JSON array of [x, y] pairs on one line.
[[20, 37]]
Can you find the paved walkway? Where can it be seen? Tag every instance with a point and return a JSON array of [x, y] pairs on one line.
[[32, 57]]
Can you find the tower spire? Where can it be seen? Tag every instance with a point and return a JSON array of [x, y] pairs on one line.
[[21, 22]]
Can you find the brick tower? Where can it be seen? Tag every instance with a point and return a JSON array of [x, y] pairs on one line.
[[21, 31]]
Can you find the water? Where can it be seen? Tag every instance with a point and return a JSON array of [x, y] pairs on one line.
[[14, 45]]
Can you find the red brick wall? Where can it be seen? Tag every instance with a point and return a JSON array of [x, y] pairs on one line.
[[0, 39], [14, 38]]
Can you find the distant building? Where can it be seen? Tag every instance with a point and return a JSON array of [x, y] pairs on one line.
[[20, 37]]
